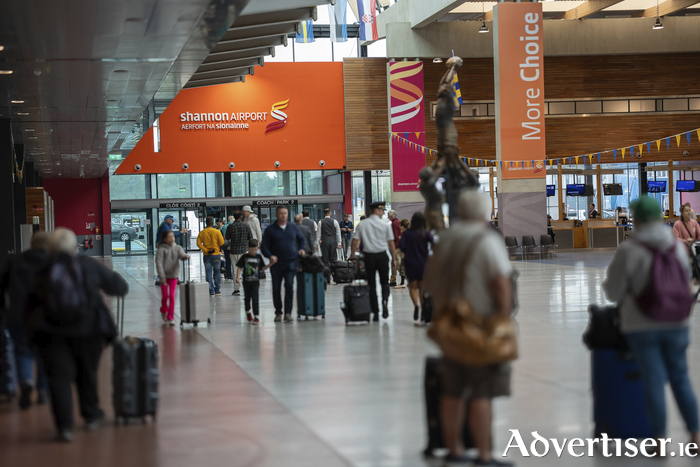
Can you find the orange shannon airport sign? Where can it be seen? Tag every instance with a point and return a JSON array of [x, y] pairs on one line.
[[519, 72], [291, 113]]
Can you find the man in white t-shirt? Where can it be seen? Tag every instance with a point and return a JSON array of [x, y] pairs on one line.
[[488, 287]]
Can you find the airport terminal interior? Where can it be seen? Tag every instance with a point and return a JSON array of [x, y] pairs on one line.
[[121, 118]]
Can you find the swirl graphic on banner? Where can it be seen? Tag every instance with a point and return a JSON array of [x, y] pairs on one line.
[[403, 91], [277, 114]]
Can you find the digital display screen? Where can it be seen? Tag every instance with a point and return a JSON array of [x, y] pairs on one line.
[[685, 185], [656, 187], [550, 190], [575, 190]]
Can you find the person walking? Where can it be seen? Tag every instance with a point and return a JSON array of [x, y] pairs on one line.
[[414, 244], [659, 347], [228, 265], [238, 235], [253, 222], [15, 284], [308, 234], [168, 259], [405, 225], [470, 249], [686, 228], [210, 242], [376, 236], [329, 238], [251, 264], [167, 226], [310, 223], [282, 243], [346, 230], [70, 326], [396, 230]]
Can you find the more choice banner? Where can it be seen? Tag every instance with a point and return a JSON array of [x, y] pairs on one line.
[[519, 87]]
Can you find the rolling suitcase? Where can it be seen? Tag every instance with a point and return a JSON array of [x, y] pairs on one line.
[[432, 407], [135, 379], [311, 295], [194, 301], [355, 304], [618, 397], [8, 372], [342, 272]]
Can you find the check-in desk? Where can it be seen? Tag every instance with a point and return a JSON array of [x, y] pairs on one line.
[[564, 234], [602, 233]]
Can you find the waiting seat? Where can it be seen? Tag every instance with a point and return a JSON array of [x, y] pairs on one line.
[[531, 248], [547, 247], [513, 248]]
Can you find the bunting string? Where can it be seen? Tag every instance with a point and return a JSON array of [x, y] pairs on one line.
[[403, 138]]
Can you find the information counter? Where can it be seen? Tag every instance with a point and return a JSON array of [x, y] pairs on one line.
[[602, 233], [564, 234]]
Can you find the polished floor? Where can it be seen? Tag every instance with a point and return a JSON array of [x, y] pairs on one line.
[[320, 393]]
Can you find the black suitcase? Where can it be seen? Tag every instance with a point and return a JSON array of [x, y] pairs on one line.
[[8, 372], [135, 379], [340, 265], [343, 275], [356, 305], [432, 409]]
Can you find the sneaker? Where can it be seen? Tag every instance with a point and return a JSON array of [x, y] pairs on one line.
[[95, 424], [164, 316], [249, 316], [25, 397], [385, 312], [458, 460], [493, 463], [217, 294], [278, 318], [236, 292], [288, 319], [256, 320], [392, 284], [171, 322], [416, 312], [64, 435]]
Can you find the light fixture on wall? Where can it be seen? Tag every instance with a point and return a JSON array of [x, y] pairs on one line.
[[437, 60], [658, 24]]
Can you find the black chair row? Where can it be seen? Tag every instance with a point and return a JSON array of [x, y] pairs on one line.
[[546, 249]]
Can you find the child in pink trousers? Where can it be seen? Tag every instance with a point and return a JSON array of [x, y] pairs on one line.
[[168, 259]]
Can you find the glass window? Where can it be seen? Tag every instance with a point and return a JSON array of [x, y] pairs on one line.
[[588, 107], [675, 104], [647, 105], [313, 183], [615, 106], [128, 187], [175, 186], [343, 50], [266, 183], [358, 196], [239, 184], [317, 51], [333, 184], [381, 187], [562, 108], [473, 110], [199, 189], [215, 185], [694, 104]]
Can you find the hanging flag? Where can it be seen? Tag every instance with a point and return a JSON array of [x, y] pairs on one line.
[[599, 158], [668, 143], [590, 158], [640, 149], [405, 135], [687, 136], [456, 92], [577, 160], [307, 33], [569, 161], [417, 134], [658, 145], [367, 11], [623, 153], [338, 21], [698, 135], [631, 151], [615, 154], [649, 148], [678, 140]]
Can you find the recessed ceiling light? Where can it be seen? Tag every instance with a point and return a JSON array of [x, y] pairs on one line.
[[2, 47], [32, 137], [29, 129], [58, 163], [22, 113], [6, 72], [17, 102]]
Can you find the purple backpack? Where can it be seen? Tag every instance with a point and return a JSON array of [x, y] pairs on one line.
[[667, 296]]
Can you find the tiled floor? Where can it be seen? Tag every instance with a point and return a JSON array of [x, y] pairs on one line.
[[322, 394]]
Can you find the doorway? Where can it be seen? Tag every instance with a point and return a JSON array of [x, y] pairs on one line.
[[131, 232]]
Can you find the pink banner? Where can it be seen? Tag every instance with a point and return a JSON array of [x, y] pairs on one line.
[[408, 121]]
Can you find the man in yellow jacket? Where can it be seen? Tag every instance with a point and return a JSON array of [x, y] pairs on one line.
[[210, 242]]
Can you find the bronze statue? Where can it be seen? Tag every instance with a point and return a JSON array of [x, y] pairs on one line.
[[448, 165]]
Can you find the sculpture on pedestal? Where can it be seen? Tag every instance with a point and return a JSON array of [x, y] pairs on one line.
[[448, 167]]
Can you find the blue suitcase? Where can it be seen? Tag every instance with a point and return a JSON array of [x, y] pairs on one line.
[[8, 373], [311, 295], [618, 397]]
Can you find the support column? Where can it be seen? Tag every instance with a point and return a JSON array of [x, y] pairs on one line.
[[367, 177], [347, 194], [7, 207], [520, 128], [600, 191], [643, 179], [670, 189], [20, 197], [560, 190]]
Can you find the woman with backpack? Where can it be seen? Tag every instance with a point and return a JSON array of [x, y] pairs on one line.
[[70, 325], [686, 228], [414, 244], [649, 278], [168, 259]]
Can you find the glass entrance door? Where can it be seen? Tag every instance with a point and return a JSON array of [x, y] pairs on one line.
[[131, 232]]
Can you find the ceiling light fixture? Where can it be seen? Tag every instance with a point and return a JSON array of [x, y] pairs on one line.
[[437, 60], [32, 137], [2, 47], [22, 113], [483, 29], [658, 24], [29, 129], [6, 72], [17, 102]]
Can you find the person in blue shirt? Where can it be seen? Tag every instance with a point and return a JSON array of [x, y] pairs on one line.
[[346, 229], [166, 226], [282, 242]]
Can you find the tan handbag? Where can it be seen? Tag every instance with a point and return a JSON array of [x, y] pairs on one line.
[[468, 338]]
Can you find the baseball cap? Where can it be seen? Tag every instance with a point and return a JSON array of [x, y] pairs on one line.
[[168, 217], [645, 209], [247, 208]]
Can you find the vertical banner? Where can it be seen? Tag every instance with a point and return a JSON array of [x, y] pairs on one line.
[[519, 86], [408, 120]]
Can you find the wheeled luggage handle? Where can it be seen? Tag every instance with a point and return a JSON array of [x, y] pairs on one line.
[[120, 316]]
